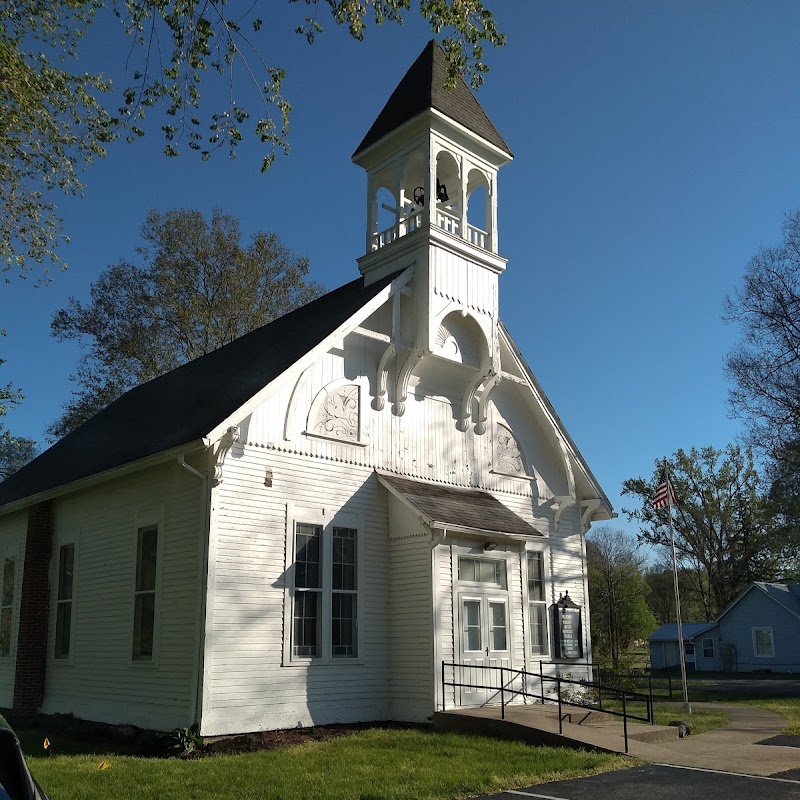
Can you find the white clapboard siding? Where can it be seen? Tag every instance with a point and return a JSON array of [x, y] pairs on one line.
[[12, 545], [412, 669], [251, 684], [100, 681]]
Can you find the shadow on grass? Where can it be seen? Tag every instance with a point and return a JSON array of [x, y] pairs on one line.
[[67, 735]]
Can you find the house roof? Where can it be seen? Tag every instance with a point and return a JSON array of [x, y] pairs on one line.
[[783, 595], [422, 88], [468, 510], [185, 404], [669, 632]]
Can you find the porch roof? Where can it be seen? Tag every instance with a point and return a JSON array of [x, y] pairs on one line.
[[462, 510]]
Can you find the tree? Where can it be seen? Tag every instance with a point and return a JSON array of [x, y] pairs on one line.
[[765, 366], [15, 451], [617, 591], [195, 289], [724, 538], [53, 121], [661, 595]]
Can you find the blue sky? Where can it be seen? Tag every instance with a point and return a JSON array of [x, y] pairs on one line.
[[656, 149]]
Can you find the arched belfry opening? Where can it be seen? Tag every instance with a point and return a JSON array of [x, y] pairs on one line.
[[479, 210]]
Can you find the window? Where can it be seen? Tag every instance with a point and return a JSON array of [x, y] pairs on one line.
[[144, 614], [763, 643], [537, 603], [491, 571], [343, 597], [708, 647], [7, 605], [66, 571], [688, 648], [324, 592], [307, 590]]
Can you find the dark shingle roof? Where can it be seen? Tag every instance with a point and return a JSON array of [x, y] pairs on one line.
[[187, 403], [423, 88], [463, 508]]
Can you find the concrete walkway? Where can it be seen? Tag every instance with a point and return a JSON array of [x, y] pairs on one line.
[[732, 748]]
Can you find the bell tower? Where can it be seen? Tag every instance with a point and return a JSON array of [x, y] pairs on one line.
[[432, 158]]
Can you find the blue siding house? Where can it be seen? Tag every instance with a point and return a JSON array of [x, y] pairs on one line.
[[758, 632], [664, 645]]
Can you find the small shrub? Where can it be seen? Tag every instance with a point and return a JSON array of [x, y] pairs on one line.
[[182, 742]]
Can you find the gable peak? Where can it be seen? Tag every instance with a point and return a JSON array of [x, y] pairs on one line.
[[423, 88]]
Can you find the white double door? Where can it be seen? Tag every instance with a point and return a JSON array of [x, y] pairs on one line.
[[485, 646]]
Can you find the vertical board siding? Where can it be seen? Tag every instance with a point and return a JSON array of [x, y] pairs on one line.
[[100, 681], [13, 529]]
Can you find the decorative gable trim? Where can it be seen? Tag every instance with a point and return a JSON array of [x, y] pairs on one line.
[[335, 413]]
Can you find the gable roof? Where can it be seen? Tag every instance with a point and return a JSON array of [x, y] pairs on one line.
[[184, 405], [669, 632], [468, 510], [422, 88]]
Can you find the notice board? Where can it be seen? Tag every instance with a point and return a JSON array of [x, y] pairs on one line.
[[568, 628]]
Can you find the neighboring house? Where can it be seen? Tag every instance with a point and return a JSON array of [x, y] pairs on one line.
[[302, 526], [759, 631], [663, 642]]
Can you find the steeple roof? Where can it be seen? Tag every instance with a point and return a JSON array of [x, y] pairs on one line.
[[422, 88]]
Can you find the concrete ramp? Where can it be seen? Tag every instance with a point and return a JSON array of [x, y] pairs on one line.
[[538, 725]]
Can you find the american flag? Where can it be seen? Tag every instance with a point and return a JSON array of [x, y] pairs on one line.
[[665, 494]]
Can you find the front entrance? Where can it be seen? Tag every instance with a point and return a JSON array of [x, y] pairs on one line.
[[485, 646]]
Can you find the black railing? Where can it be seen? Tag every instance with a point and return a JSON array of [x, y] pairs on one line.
[[507, 689], [643, 679]]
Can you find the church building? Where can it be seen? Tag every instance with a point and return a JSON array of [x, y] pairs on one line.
[[352, 513]]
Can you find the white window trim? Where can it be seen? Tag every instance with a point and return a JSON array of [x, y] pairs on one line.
[[144, 519], [73, 539], [480, 585], [543, 549], [327, 520], [13, 551], [753, 630], [703, 641]]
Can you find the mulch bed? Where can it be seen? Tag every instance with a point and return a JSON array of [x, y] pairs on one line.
[[274, 740]]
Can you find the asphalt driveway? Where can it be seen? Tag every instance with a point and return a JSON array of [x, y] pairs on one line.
[[657, 782]]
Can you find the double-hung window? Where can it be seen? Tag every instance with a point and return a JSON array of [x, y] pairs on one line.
[[763, 643], [537, 604], [144, 612], [708, 647], [323, 592], [66, 575], [7, 604], [307, 627]]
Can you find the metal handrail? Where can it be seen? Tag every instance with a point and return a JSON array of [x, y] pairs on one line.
[[643, 673], [625, 694]]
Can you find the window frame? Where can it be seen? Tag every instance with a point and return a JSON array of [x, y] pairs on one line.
[[528, 602], [67, 541], [753, 631], [703, 641], [14, 553], [147, 519], [327, 522]]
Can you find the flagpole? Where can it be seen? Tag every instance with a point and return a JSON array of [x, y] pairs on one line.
[[687, 709]]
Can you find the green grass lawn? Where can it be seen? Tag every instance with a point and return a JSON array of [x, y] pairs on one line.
[[374, 764]]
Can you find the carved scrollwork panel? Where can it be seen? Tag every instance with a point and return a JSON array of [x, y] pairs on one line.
[[337, 416], [508, 457]]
